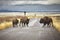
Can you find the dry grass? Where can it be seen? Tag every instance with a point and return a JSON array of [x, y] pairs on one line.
[[9, 24], [5, 25], [56, 24]]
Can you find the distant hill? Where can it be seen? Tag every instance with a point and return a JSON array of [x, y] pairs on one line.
[[38, 4], [5, 11], [32, 8]]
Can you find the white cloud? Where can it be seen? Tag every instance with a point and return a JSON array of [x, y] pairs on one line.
[[54, 1], [29, 2], [5, 2], [22, 0], [36, 2]]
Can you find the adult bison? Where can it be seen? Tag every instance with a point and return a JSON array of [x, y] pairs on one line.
[[24, 20], [15, 22], [46, 20]]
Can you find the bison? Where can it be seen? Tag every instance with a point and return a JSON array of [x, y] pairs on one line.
[[15, 22], [24, 20], [46, 20]]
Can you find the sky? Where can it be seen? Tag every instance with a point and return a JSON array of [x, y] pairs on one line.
[[47, 5], [15, 2]]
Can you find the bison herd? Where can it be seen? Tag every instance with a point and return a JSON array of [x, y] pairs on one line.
[[25, 21]]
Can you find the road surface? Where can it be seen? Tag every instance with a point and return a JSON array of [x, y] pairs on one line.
[[34, 32]]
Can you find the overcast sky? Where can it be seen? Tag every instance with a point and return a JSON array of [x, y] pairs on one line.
[[15, 2], [22, 0], [11, 5]]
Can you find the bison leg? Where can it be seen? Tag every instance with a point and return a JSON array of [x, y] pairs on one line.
[[21, 24], [27, 24], [24, 24], [48, 25], [51, 24], [44, 24], [13, 25]]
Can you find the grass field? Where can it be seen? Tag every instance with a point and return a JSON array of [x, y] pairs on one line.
[[56, 24], [5, 25]]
